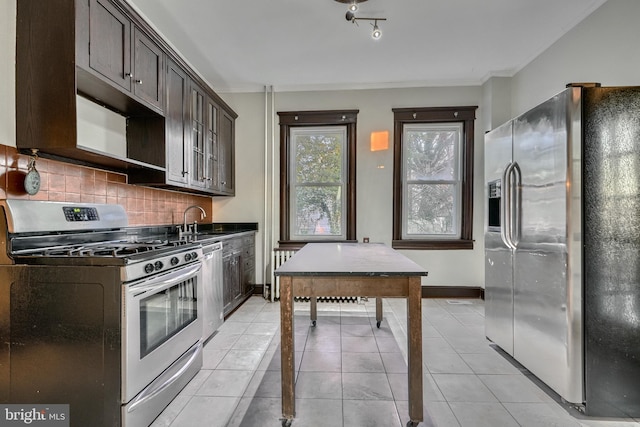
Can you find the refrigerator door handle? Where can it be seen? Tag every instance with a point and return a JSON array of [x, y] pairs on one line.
[[505, 212], [516, 210], [503, 207]]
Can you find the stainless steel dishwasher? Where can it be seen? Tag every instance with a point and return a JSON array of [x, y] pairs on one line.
[[212, 289]]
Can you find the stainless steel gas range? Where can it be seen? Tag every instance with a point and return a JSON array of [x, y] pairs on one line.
[[94, 315]]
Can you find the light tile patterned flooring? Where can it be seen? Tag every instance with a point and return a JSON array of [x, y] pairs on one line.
[[352, 374]]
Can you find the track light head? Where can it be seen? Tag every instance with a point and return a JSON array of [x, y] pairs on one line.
[[376, 34]]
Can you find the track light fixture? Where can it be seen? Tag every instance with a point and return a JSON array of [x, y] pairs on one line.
[[351, 17], [376, 33]]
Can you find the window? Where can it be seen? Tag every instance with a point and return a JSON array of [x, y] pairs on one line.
[[433, 178], [317, 176], [318, 182]]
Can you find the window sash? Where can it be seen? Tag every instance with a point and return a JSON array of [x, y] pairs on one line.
[[326, 227], [448, 224]]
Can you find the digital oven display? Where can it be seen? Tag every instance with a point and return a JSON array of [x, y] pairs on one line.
[[73, 214]]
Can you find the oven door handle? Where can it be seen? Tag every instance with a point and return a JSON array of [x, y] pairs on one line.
[[157, 284], [167, 378]]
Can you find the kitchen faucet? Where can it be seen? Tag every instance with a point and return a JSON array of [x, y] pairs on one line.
[[203, 215]]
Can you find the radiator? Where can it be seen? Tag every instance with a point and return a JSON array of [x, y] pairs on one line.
[[280, 256]]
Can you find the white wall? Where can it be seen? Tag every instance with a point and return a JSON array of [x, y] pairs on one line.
[[496, 102], [604, 48], [374, 184], [248, 204]]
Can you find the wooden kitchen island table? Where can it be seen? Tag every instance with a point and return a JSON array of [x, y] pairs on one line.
[[351, 269]]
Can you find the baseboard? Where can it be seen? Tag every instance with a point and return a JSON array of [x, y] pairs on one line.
[[258, 290], [452, 292]]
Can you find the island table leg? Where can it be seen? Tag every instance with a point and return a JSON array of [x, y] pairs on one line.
[[314, 310], [414, 356], [287, 353]]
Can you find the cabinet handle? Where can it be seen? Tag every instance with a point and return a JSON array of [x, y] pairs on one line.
[[224, 183], [129, 75], [138, 82], [185, 173]]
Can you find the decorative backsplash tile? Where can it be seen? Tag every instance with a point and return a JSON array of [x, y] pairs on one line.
[[66, 182]]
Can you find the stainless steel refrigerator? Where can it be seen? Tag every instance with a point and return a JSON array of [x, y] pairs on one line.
[[562, 245]]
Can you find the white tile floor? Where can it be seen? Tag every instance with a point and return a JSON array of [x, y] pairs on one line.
[[350, 373]]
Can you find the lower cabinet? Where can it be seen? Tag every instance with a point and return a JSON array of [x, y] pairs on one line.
[[239, 270], [231, 277]]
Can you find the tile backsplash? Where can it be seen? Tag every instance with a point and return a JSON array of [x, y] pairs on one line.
[[65, 182]]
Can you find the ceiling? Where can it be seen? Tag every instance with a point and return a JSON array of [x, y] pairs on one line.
[[240, 46]]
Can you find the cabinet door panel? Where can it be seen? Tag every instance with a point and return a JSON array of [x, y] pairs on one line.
[[110, 42], [231, 277], [148, 75], [211, 146], [236, 284], [176, 119], [197, 156], [226, 288], [226, 153]]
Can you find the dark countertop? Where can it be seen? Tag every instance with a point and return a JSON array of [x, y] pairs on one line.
[[346, 259], [209, 237], [207, 233]]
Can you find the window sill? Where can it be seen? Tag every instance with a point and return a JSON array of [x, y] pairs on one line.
[[432, 244]]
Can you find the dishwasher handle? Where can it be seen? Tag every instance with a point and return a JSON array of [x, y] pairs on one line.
[[209, 250]]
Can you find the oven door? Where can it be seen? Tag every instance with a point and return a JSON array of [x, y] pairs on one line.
[[163, 319]]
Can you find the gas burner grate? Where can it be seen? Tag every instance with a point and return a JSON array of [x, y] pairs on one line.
[[119, 249]]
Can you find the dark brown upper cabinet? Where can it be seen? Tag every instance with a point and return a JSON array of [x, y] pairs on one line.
[[119, 51], [104, 51], [199, 140], [66, 48], [204, 166]]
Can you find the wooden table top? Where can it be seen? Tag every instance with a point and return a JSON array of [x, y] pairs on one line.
[[346, 259]]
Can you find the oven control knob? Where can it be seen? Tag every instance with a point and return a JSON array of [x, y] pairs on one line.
[[174, 260], [148, 268], [187, 257], [158, 265], [194, 255]]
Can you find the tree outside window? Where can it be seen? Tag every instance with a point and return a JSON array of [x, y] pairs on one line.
[[433, 178], [318, 182]]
